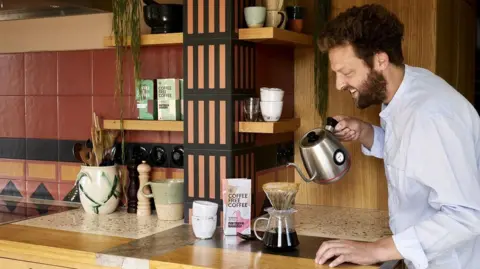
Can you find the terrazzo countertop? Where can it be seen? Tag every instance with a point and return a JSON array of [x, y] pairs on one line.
[[120, 223], [342, 223]]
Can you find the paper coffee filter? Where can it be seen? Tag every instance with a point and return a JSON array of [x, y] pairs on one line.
[[281, 194]]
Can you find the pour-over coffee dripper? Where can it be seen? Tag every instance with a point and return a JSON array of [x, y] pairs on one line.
[[281, 194], [280, 233]]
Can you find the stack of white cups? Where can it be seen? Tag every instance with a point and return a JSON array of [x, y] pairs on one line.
[[271, 103], [204, 219]]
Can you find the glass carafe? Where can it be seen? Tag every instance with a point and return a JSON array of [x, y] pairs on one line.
[[280, 231]]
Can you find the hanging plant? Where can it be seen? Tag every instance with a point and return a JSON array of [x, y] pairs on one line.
[[126, 30], [323, 10]]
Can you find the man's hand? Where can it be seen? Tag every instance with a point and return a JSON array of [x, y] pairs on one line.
[[347, 251], [352, 129], [363, 253]]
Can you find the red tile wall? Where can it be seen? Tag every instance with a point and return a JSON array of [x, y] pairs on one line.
[[51, 95]]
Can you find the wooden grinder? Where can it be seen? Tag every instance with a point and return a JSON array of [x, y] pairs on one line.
[[143, 206]]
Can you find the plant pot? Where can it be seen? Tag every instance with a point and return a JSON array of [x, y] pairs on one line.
[[99, 188]]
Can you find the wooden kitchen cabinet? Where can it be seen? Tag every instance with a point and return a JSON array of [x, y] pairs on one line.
[[439, 36], [19, 264], [8, 263]]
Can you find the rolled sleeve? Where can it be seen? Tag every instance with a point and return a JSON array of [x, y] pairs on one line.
[[410, 248], [378, 143]]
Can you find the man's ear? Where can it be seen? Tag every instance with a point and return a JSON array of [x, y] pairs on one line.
[[380, 61]]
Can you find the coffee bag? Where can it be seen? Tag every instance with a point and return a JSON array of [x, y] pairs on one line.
[[237, 202]]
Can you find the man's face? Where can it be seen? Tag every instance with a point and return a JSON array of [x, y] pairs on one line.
[[367, 86]]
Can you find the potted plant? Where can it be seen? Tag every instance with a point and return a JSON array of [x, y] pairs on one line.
[[127, 32]]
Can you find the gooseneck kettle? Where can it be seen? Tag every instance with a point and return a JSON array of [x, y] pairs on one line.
[[324, 157]]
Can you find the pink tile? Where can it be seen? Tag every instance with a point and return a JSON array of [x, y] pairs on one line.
[[155, 62], [12, 187], [176, 137], [75, 73], [104, 73], [108, 107], [42, 190], [12, 74], [64, 189], [74, 117], [41, 73], [147, 137], [41, 117], [12, 116], [175, 62]]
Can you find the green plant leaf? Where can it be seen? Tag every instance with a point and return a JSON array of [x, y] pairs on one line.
[[322, 10]]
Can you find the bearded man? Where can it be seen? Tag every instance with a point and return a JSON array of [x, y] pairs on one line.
[[429, 139]]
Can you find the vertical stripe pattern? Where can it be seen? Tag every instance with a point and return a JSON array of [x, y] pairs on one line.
[[244, 67]]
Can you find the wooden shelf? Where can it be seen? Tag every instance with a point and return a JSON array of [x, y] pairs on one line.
[[144, 125], [281, 126], [149, 40], [272, 35], [266, 35]]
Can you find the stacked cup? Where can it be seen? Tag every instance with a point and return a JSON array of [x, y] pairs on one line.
[[204, 219], [276, 17], [271, 103]]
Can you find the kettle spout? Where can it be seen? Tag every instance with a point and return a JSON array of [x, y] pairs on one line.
[[306, 179]]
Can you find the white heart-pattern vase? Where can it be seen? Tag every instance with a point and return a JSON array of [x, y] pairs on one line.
[[99, 188]]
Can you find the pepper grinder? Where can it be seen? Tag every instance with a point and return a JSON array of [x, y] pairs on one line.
[[132, 188], [143, 206]]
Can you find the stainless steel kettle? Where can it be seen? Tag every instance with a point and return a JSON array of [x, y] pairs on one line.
[[325, 158]]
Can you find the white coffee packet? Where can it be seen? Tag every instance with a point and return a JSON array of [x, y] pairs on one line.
[[237, 203]]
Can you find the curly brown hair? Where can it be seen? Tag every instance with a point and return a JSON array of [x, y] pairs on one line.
[[369, 29]]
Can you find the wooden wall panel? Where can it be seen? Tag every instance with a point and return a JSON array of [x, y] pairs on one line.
[[365, 184], [455, 42]]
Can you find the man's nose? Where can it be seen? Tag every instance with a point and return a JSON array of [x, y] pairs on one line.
[[339, 83]]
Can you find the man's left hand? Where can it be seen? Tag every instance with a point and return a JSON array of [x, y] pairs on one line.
[[347, 251]]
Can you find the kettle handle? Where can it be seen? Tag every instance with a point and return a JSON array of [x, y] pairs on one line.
[[332, 122]]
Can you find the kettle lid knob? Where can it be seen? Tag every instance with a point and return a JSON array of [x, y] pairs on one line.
[[312, 137]]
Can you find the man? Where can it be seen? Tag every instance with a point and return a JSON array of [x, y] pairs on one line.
[[429, 139]]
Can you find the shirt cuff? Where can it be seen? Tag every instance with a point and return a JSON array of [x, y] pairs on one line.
[[378, 142], [410, 248]]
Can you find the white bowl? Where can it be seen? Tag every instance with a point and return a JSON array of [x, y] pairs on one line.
[[204, 208], [271, 95], [204, 227], [271, 111]]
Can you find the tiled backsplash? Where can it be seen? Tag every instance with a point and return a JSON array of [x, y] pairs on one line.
[[46, 105]]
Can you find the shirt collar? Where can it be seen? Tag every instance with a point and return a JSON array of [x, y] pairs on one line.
[[388, 109]]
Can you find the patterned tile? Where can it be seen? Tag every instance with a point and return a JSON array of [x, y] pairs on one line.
[[42, 190], [12, 189]]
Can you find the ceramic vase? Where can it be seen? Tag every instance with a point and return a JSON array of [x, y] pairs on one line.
[[99, 188]]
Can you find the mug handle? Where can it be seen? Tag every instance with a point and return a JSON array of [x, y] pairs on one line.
[[255, 226], [283, 20], [144, 194]]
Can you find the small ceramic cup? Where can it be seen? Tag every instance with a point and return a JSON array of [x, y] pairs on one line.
[[204, 227], [271, 111], [204, 208], [255, 16]]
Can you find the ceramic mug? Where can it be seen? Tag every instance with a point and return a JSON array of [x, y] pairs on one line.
[[168, 196], [255, 16], [272, 5], [276, 19]]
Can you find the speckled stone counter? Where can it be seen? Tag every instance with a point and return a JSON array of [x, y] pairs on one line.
[[342, 223], [119, 223], [154, 240]]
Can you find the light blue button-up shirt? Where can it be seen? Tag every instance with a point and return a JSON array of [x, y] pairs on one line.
[[430, 142]]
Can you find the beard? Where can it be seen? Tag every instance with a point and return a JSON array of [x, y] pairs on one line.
[[373, 90]]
